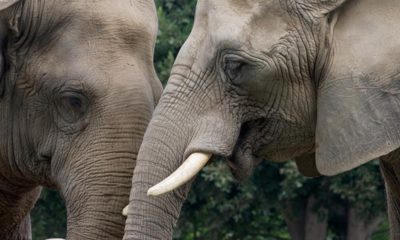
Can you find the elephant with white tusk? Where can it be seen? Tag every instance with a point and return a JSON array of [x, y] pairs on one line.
[[272, 79], [77, 90]]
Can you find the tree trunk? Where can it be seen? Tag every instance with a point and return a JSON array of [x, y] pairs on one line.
[[316, 225], [302, 220], [358, 229], [393, 207], [294, 212], [390, 168]]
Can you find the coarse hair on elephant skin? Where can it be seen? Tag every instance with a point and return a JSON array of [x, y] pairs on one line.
[[276, 80], [78, 88]]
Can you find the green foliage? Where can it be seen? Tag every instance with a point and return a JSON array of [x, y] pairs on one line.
[[362, 188], [49, 217], [382, 233], [220, 208], [175, 22]]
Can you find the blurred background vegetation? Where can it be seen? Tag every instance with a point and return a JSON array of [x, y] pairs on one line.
[[275, 203]]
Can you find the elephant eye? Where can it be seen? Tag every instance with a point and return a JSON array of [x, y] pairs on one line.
[[75, 103], [72, 106], [232, 69]]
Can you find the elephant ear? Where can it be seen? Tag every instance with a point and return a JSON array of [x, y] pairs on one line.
[[325, 13], [358, 103], [4, 31], [7, 3], [306, 165]]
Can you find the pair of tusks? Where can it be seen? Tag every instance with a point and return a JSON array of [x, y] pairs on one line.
[[189, 168]]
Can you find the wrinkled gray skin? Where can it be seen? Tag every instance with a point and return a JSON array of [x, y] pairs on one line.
[[273, 79], [77, 91]]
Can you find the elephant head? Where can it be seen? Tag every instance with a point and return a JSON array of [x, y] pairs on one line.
[[271, 79], [78, 89]]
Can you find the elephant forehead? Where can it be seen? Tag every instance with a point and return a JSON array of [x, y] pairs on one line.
[[126, 19], [122, 23], [257, 23], [240, 5]]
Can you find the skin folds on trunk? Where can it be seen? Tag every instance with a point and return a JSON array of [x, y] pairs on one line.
[[22, 231], [188, 132], [156, 166], [17, 205], [94, 201], [99, 182]]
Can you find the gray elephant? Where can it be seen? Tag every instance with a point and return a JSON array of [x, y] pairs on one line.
[[77, 89], [272, 79]]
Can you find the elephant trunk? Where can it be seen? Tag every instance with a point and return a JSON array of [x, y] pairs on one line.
[[154, 217], [176, 132], [96, 181], [95, 196]]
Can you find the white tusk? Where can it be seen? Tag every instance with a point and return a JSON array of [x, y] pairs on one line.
[[125, 211], [189, 168]]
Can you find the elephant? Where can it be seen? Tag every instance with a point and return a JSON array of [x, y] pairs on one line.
[[77, 91], [276, 80]]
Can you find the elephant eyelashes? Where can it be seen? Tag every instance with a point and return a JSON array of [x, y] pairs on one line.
[[72, 106]]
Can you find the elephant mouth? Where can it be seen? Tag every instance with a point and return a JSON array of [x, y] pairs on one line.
[[243, 153], [264, 139], [242, 162], [243, 147]]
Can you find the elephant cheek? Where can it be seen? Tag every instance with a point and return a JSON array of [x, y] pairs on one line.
[[214, 134]]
